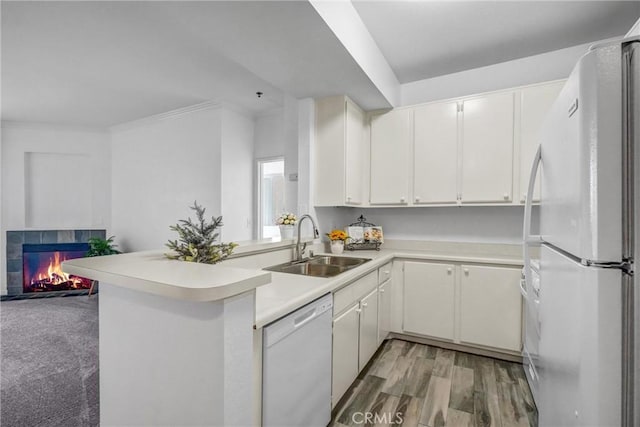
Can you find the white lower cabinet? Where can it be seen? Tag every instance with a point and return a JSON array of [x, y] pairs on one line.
[[491, 307], [478, 305], [346, 329], [355, 332], [384, 310], [429, 297], [368, 328]]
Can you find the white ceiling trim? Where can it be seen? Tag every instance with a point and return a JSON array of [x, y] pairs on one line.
[[345, 22], [18, 124], [207, 105]]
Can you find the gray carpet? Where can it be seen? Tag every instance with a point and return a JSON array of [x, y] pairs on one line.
[[49, 362]]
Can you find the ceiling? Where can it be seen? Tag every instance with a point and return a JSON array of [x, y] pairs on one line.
[[431, 38], [97, 64]]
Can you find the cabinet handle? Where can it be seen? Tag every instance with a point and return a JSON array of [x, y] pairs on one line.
[[386, 272], [449, 270], [417, 198], [466, 271], [402, 199], [348, 199], [381, 291], [358, 310], [364, 304], [506, 196]]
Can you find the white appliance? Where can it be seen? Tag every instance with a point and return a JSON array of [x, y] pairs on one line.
[[582, 354], [296, 367]]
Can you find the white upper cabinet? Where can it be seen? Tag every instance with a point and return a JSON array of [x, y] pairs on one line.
[[355, 155], [435, 162], [391, 138], [487, 149], [474, 150], [535, 103], [339, 154]]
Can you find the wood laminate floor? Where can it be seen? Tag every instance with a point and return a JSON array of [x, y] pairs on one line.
[[412, 384]]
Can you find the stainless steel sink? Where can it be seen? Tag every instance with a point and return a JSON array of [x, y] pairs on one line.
[[341, 261], [319, 266]]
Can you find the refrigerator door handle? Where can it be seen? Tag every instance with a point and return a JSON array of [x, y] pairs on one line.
[[527, 238]]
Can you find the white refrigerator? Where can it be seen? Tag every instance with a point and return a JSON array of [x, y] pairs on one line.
[[582, 306]]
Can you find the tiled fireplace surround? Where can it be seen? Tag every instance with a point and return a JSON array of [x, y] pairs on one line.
[[15, 239]]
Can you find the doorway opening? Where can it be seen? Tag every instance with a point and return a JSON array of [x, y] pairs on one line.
[[271, 190]]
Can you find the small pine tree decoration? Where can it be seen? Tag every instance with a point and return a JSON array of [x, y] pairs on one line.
[[197, 240]]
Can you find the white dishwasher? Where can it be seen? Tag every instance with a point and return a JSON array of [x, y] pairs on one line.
[[296, 367]]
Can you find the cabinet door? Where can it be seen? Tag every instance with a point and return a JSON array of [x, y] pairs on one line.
[[368, 327], [435, 153], [535, 103], [487, 149], [491, 307], [329, 149], [345, 352], [354, 153], [384, 310], [429, 293], [390, 162]]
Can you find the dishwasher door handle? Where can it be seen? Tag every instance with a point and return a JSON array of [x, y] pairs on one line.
[[304, 318]]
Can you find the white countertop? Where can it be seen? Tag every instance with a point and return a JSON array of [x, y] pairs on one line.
[[153, 273], [287, 292], [277, 294]]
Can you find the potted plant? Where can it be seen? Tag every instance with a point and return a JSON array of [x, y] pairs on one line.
[[197, 240], [286, 221], [337, 238], [100, 247]]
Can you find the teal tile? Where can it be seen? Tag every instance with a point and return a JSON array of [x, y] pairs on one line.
[[15, 237], [14, 266], [49, 237], [33, 236]]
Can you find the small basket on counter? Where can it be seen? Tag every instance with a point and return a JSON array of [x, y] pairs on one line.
[[363, 235]]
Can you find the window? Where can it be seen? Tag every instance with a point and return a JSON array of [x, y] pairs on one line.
[[270, 196]]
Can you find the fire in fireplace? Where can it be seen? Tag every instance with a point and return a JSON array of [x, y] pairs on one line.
[[42, 267]]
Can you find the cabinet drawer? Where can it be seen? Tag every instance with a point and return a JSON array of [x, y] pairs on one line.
[[384, 273], [353, 292]]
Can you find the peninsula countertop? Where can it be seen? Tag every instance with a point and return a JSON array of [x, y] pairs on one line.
[[277, 294], [153, 273]]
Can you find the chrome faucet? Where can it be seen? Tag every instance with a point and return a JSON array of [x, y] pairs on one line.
[[300, 250]]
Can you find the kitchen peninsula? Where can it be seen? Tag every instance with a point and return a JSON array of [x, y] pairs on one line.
[[176, 339]]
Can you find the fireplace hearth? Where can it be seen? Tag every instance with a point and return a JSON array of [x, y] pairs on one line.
[[34, 258]]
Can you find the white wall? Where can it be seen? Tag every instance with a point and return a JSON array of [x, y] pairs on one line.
[[290, 116], [238, 176], [482, 224], [162, 165], [306, 141], [159, 168], [533, 69], [269, 135], [78, 183]]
